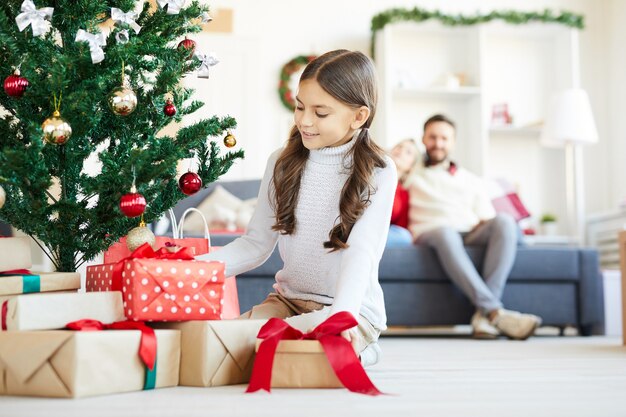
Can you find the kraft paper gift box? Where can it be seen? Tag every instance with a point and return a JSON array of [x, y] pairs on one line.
[[216, 353], [302, 364], [14, 253], [64, 363], [39, 282], [48, 311], [224, 298], [321, 358]]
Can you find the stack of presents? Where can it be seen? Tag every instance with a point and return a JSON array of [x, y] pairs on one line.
[[151, 319]]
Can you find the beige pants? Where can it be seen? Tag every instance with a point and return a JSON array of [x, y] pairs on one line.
[[275, 305]]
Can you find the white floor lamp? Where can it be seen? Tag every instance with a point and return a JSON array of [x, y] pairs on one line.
[[570, 124]]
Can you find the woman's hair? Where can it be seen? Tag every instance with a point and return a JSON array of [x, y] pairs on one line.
[[405, 178], [350, 78]]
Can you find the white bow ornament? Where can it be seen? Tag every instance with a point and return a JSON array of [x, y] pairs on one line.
[[95, 44], [37, 18]]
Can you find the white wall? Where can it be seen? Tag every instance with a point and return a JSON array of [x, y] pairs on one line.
[[282, 29], [616, 115]]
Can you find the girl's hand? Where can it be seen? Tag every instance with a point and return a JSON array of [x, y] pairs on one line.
[[351, 336]]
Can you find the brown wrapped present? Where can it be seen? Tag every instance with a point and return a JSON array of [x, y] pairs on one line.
[[63, 363], [14, 253], [38, 282], [302, 364], [216, 353], [49, 311]]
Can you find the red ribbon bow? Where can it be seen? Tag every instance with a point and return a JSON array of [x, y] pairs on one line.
[[147, 345], [339, 352], [146, 251]]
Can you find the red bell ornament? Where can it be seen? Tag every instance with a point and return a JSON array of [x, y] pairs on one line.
[[15, 85], [190, 183], [133, 204]]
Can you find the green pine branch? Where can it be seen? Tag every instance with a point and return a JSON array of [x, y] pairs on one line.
[[79, 218]]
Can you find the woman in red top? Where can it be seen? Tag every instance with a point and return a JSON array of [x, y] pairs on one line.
[[406, 156]]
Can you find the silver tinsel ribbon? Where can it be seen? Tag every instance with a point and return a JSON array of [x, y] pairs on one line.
[[118, 15], [95, 44], [173, 6], [207, 61], [34, 17]]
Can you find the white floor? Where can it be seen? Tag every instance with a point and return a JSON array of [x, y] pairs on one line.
[[544, 376]]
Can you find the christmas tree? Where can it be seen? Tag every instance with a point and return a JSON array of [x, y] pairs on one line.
[[95, 78]]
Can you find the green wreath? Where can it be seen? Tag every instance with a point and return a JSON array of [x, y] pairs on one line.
[[286, 72]]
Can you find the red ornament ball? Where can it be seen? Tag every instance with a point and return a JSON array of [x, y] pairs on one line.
[[189, 45], [133, 204], [190, 183], [169, 109], [15, 85]]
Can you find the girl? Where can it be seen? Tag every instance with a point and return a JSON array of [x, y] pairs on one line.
[[405, 155], [326, 200]]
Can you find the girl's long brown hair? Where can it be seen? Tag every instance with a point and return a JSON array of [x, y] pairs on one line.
[[350, 78]]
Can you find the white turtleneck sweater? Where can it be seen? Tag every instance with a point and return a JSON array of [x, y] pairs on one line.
[[347, 279]]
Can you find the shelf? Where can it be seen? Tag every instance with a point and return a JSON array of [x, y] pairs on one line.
[[437, 92], [534, 131]]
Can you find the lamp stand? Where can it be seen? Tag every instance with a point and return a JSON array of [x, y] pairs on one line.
[[575, 191]]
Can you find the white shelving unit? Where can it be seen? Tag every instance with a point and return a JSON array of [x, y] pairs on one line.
[[520, 65]]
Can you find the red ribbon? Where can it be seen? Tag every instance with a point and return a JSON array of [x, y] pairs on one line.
[[147, 345], [5, 310], [339, 352], [16, 272], [146, 251]]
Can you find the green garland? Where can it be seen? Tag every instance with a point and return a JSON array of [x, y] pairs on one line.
[[290, 68], [416, 14]]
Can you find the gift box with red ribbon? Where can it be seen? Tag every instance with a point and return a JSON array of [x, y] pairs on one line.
[[322, 358], [164, 286], [53, 310], [90, 359]]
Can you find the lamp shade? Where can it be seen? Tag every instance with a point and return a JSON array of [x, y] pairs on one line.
[[569, 120]]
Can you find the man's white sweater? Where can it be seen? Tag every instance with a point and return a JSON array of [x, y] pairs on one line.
[[346, 279], [439, 197]]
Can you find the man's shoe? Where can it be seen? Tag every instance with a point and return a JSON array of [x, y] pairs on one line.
[[482, 328], [516, 325]]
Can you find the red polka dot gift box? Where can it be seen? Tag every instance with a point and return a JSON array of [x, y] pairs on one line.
[[168, 289]]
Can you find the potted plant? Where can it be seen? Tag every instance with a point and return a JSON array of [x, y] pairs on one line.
[[548, 224]]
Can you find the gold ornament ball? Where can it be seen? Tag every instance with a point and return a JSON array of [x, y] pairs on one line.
[[3, 197], [56, 130], [122, 101], [138, 236], [229, 140]]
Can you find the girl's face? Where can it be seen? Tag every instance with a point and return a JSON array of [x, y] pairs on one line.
[[322, 120], [404, 154]]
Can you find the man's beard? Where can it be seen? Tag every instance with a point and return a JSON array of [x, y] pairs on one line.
[[434, 161]]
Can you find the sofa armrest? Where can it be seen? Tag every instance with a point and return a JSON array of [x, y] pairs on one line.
[[590, 293]]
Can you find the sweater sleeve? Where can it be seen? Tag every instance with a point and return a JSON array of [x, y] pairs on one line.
[[483, 208], [257, 244], [366, 244]]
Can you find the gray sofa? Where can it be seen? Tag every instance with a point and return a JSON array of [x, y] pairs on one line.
[[562, 285]]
